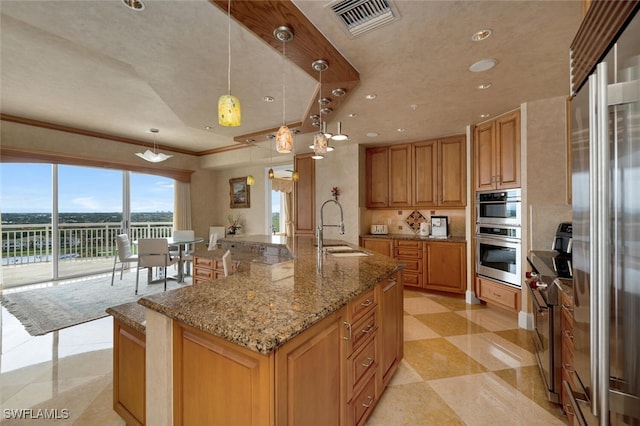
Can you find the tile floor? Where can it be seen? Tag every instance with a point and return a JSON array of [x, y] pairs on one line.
[[464, 364]]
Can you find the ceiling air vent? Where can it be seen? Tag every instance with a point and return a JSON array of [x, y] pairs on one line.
[[360, 16]]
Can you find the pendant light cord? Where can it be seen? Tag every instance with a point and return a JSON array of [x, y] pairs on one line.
[[229, 46], [284, 44]]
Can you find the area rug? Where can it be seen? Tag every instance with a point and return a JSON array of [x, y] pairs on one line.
[[63, 305]]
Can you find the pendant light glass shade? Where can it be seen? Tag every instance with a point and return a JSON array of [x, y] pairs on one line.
[[284, 140], [320, 143], [271, 174], [295, 176], [229, 111], [153, 156], [339, 136], [250, 180]]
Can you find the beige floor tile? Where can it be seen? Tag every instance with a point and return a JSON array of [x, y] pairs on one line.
[[437, 358], [412, 405], [519, 336], [492, 351], [405, 374], [491, 319], [484, 399], [453, 302], [450, 324], [422, 305], [416, 330], [527, 380], [413, 293]]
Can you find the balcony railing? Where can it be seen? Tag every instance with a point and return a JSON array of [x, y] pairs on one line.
[[30, 244]]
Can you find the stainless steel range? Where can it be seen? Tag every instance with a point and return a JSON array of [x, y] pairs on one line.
[[552, 269]]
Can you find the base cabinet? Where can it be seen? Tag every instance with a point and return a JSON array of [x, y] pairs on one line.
[[206, 269], [446, 267], [129, 373], [378, 245], [566, 332], [331, 374]]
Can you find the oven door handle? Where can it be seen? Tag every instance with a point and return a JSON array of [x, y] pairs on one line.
[[540, 304], [493, 239]]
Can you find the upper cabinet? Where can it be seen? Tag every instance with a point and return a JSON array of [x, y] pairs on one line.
[[422, 174], [497, 153], [304, 190]]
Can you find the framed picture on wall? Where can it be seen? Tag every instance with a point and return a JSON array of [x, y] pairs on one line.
[[239, 193]]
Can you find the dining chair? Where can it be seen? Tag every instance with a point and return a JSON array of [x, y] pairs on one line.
[[226, 263], [213, 241], [154, 253], [187, 254], [123, 254]]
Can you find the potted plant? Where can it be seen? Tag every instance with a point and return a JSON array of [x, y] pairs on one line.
[[234, 224]]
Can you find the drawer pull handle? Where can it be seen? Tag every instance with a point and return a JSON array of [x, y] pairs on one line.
[[366, 303], [368, 362], [568, 367], [368, 329], [499, 296], [393, 279], [567, 334], [348, 327], [569, 409], [369, 402]]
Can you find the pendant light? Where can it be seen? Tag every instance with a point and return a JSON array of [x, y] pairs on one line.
[[250, 179], [340, 136], [229, 112], [153, 156], [320, 141], [271, 174], [284, 138]]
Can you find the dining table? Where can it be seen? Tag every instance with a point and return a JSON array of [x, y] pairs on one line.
[[182, 244]]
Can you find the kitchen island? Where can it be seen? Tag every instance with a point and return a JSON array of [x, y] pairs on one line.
[[311, 339]]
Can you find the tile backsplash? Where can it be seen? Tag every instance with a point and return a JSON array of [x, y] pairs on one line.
[[396, 220]]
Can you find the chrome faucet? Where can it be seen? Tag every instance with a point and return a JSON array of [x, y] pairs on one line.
[[319, 232]]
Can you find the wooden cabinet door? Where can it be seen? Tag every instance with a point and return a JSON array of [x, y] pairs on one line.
[[129, 373], [377, 177], [305, 195], [483, 154], [391, 326], [452, 172], [446, 267], [508, 150], [400, 175], [379, 245], [425, 174], [309, 387]]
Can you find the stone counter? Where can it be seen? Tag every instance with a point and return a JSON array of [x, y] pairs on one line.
[[264, 304], [131, 314], [450, 239]]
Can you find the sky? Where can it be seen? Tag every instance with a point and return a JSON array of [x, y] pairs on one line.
[[26, 188]]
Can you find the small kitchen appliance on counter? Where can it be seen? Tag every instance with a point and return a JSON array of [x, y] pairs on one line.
[[425, 229], [439, 226], [379, 230], [563, 242]]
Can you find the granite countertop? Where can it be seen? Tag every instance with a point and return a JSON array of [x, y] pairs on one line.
[[450, 239], [265, 304], [131, 314]]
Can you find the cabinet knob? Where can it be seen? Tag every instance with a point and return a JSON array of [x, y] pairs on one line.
[[368, 362]]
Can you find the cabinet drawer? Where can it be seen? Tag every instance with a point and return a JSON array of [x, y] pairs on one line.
[[408, 244], [407, 253], [362, 404], [204, 262], [412, 265], [500, 294], [412, 279], [361, 331], [360, 366], [361, 304], [203, 273]]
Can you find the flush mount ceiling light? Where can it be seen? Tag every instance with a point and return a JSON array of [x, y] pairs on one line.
[[481, 35], [320, 141], [373, 134], [483, 65], [484, 86], [153, 156], [229, 111], [284, 138], [136, 5]]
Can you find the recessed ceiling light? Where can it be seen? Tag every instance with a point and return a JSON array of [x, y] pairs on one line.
[[413, 106], [353, 114], [136, 5], [268, 99], [373, 134], [339, 92], [484, 86], [481, 35], [484, 115], [208, 127], [483, 65], [401, 130], [371, 96]]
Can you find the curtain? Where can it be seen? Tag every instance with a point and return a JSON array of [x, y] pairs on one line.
[[285, 186], [182, 206]]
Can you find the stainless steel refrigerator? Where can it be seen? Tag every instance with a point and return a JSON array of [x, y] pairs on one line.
[[606, 238]]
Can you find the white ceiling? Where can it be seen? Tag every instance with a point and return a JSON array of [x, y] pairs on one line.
[[99, 66]]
